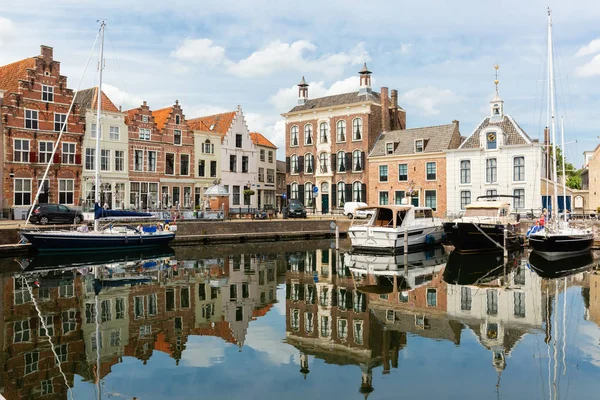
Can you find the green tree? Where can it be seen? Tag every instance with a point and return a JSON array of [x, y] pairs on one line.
[[573, 175]]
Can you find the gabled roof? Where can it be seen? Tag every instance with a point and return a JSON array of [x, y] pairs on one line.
[[280, 166], [514, 134], [259, 140], [161, 116], [11, 73], [213, 123], [130, 115], [88, 98], [437, 138], [338, 100]]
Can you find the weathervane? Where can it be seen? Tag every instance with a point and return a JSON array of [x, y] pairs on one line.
[[496, 66]]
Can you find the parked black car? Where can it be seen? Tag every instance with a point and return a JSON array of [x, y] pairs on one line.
[[296, 210], [55, 213]]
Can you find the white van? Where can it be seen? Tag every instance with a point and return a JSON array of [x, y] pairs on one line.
[[350, 210]]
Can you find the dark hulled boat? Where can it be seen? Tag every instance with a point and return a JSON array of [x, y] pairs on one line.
[[563, 243]]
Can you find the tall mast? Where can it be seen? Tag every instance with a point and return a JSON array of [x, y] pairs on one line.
[[98, 130], [562, 146], [552, 119]]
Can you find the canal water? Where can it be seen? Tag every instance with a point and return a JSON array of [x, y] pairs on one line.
[[298, 321]]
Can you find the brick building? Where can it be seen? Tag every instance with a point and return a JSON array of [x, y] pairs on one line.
[[328, 138], [411, 164], [281, 186], [34, 109], [161, 152]]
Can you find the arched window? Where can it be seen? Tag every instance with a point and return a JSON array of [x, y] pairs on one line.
[[308, 134], [357, 160], [294, 191], [208, 147], [309, 163], [357, 129], [308, 194], [294, 164], [323, 163], [341, 161], [294, 136], [341, 131], [341, 194], [357, 194], [324, 132]]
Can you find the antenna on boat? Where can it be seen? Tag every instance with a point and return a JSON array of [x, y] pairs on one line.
[[98, 127]]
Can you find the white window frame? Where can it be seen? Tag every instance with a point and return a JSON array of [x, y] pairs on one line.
[[94, 130], [48, 93], [177, 119], [422, 142], [340, 159], [492, 177], [21, 151], [522, 206], [69, 151], [308, 134], [46, 152], [270, 157], [33, 366], [425, 198], [426, 174], [460, 194], [92, 156], [405, 180], [32, 121], [262, 155], [145, 133], [105, 160], [64, 121], [20, 328], [360, 129], [181, 163], [379, 193], [141, 163], [175, 135], [22, 191], [294, 162], [294, 135], [387, 173], [114, 132], [324, 132], [340, 128], [66, 190], [522, 166], [362, 167], [145, 118], [151, 168], [460, 170], [389, 148], [174, 164], [122, 159]]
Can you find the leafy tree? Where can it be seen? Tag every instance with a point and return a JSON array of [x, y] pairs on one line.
[[573, 175]]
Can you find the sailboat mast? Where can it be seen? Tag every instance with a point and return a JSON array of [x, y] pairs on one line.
[[552, 119], [562, 146], [98, 129]]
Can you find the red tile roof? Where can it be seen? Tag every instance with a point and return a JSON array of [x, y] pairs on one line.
[[260, 140], [215, 123], [262, 311], [161, 116], [130, 115], [11, 73], [219, 329]]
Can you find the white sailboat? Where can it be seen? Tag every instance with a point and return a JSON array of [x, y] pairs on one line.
[[558, 239], [110, 237]]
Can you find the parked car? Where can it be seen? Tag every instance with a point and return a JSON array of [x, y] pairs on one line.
[[350, 210], [296, 210], [55, 213]]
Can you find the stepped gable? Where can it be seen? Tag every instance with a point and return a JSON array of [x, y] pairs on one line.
[[161, 116]]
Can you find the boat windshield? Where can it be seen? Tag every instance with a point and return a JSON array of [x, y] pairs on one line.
[[423, 214], [481, 212]]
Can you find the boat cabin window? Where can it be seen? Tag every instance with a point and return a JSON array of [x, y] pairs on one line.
[[423, 213], [503, 212], [385, 217], [400, 217], [481, 212]]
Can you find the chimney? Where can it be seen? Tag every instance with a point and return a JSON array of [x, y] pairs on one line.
[[455, 122], [395, 124], [120, 109], [385, 110], [302, 92], [144, 104], [46, 52]]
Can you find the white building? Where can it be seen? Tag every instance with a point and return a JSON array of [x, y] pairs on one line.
[[239, 156], [497, 158], [267, 170], [114, 152]]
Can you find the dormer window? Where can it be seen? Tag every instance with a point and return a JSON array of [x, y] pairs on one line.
[[492, 141], [389, 148], [419, 145]]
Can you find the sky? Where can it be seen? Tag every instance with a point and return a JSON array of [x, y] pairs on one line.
[[213, 56]]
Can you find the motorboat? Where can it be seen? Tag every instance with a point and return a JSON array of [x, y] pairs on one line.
[[386, 229], [483, 227]]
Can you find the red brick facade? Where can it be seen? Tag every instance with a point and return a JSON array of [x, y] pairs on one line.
[[36, 100], [159, 144]]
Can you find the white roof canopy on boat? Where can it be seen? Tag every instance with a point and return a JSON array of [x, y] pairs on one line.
[[487, 204]]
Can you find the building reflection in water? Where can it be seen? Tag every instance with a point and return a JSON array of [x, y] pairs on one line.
[[95, 315], [362, 309]]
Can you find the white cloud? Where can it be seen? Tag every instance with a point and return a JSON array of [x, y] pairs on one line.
[[591, 48], [427, 99], [201, 51], [120, 97], [202, 352], [592, 68], [196, 111], [405, 48], [266, 340], [7, 30], [278, 55]]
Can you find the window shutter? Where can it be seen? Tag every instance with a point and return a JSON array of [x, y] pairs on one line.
[[287, 167], [348, 162], [301, 165], [363, 193], [32, 157], [78, 159], [301, 193], [288, 188], [362, 160], [56, 158], [334, 202], [348, 192], [333, 166]]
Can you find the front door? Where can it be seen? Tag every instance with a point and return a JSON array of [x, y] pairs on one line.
[[324, 203]]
